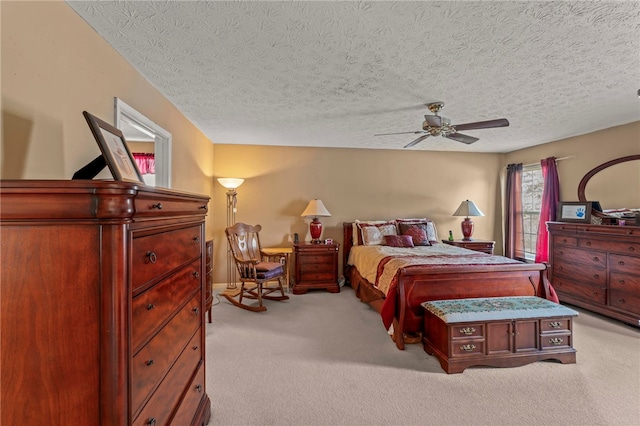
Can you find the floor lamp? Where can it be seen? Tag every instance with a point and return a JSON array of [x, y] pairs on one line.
[[232, 199]]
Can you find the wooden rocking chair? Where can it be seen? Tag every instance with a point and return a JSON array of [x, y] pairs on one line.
[[253, 268]]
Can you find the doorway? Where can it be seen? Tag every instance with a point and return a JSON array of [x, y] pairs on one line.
[[146, 137]]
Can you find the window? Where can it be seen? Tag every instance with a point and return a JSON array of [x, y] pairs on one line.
[[532, 186]]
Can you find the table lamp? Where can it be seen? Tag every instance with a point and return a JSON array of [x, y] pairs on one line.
[[467, 208], [315, 209]]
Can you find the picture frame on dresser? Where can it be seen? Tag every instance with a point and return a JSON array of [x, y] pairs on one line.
[[114, 150], [574, 211]]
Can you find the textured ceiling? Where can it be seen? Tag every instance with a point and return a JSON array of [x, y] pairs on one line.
[[334, 74]]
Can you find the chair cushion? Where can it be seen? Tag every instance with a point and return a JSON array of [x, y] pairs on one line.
[[266, 270]]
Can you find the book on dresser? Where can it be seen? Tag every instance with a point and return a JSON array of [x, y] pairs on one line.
[[597, 267], [103, 299]]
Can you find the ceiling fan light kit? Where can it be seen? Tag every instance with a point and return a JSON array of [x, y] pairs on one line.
[[435, 125]]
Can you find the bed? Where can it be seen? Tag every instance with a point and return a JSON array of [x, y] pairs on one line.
[[396, 280]]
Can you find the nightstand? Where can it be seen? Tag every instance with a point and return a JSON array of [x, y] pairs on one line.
[[316, 267], [476, 245]]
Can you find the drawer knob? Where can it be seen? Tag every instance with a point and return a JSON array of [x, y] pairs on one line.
[[196, 274], [621, 281], [150, 306], [149, 362], [596, 276], [195, 347], [196, 240], [632, 249], [555, 324], [152, 257], [196, 311], [467, 348], [199, 388], [621, 263], [564, 240], [596, 258], [203, 207], [594, 292], [589, 243], [621, 300], [157, 206], [556, 341], [151, 421], [467, 330], [561, 253]]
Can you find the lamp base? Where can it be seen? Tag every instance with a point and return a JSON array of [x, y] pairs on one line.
[[467, 229], [315, 229]]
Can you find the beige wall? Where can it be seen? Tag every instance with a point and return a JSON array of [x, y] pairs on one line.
[[616, 188], [353, 184], [54, 66]]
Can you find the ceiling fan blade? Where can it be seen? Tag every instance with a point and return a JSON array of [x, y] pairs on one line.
[[433, 120], [501, 122], [417, 132], [462, 138], [420, 139]]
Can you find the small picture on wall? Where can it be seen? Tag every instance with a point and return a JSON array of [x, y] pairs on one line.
[[114, 149], [574, 211]]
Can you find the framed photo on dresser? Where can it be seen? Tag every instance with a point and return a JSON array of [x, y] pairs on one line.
[[574, 211], [114, 150]]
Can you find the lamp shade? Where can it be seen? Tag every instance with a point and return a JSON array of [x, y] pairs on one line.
[[315, 209], [468, 208], [230, 183]]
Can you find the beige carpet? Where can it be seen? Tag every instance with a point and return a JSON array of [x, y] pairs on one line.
[[325, 359]]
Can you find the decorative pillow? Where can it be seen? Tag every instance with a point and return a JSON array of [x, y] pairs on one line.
[[374, 234], [357, 230], [417, 232], [432, 233], [398, 240]]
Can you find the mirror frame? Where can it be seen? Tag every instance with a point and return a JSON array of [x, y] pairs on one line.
[[583, 183]]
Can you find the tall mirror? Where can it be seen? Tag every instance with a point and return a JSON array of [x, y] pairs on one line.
[[149, 143]]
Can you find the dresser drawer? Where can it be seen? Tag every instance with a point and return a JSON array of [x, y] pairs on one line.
[[579, 272], [319, 259], [621, 247], [583, 291], [621, 263], [587, 257], [318, 276], [152, 204], [565, 241], [554, 325], [154, 359], [191, 400], [553, 341], [626, 301], [624, 282], [151, 308], [467, 331], [157, 254], [166, 398], [467, 348]]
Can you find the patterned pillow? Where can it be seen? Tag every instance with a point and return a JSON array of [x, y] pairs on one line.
[[357, 228], [398, 240], [417, 232], [432, 233], [374, 234]]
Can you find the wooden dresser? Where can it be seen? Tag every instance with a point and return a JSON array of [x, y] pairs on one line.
[[597, 267], [102, 298]]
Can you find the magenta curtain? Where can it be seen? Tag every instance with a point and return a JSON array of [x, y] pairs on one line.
[[146, 162], [514, 223], [550, 201]]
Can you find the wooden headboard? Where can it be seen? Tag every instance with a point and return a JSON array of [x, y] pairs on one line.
[[347, 241]]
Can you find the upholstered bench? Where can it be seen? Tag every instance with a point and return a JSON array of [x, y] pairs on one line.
[[497, 332]]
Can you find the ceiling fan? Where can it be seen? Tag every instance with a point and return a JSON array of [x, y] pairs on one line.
[[435, 125]]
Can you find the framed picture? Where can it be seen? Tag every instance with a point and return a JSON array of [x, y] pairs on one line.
[[574, 211], [114, 149]]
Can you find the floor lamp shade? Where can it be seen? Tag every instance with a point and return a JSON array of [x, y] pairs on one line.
[[467, 208], [315, 209]]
